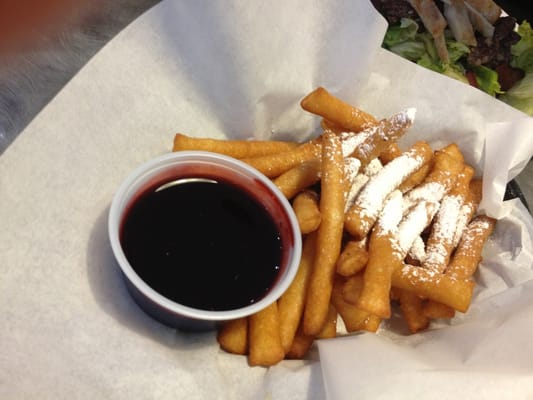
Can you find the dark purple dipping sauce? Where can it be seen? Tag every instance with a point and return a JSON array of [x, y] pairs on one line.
[[203, 242]]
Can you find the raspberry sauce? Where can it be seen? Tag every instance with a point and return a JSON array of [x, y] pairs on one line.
[[203, 242]]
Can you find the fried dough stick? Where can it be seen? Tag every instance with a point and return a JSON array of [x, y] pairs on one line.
[[468, 254], [368, 144], [291, 303], [362, 215], [233, 336], [464, 263], [417, 177], [232, 148], [456, 293], [469, 208], [443, 288], [345, 294], [341, 114], [371, 323], [353, 258], [383, 258], [300, 345], [298, 178], [329, 330], [273, 165], [354, 185], [436, 310], [412, 311], [379, 136], [439, 244], [418, 282], [307, 211], [352, 168], [329, 237], [448, 163], [306, 174], [264, 340], [390, 153]]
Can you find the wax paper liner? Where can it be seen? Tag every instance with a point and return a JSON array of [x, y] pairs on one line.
[[238, 70]]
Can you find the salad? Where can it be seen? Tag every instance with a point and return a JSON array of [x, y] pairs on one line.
[[468, 40]]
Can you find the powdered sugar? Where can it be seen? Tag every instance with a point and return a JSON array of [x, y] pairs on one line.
[[418, 250], [410, 114], [430, 191], [391, 214], [360, 180], [462, 220], [371, 198], [390, 128], [351, 168], [351, 140], [416, 274], [473, 231], [441, 239], [373, 167], [414, 223]]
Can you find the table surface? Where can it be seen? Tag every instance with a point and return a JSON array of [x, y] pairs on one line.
[[48, 59]]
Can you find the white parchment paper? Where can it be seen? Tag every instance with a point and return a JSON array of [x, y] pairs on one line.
[[233, 69]]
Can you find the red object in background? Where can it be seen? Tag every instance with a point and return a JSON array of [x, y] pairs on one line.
[[26, 23], [508, 76], [472, 78]]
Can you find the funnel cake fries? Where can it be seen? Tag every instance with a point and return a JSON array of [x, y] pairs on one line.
[[291, 303], [264, 337], [447, 165], [307, 211], [378, 137], [383, 258], [353, 258], [468, 254], [362, 215], [329, 236], [440, 241], [384, 228], [353, 318], [273, 165], [234, 148], [233, 336], [337, 112], [298, 178]]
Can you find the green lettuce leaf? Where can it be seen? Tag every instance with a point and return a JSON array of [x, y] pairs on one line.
[[456, 50], [455, 71], [522, 51], [411, 50], [405, 40], [431, 49], [520, 96], [431, 60], [487, 80], [402, 33]]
